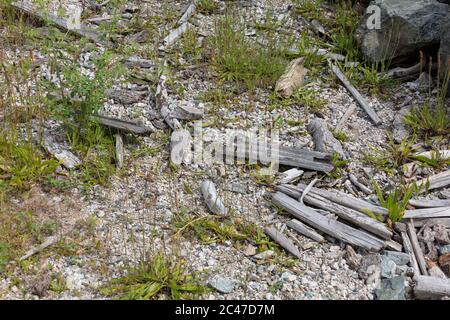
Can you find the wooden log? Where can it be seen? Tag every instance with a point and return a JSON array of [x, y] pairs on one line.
[[292, 78], [344, 199], [348, 113], [436, 181], [426, 203], [120, 153], [283, 241], [427, 213], [416, 248], [401, 228], [324, 141], [187, 14], [305, 230], [47, 243], [122, 125], [418, 223], [162, 103], [392, 245], [67, 158], [173, 36], [329, 226], [355, 217], [358, 184], [290, 175], [84, 31], [372, 114], [187, 112], [427, 288], [212, 200], [405, 72]]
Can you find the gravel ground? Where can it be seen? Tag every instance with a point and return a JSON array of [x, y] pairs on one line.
[[136, 212]]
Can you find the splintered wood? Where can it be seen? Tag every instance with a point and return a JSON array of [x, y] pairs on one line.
[[292, 78]]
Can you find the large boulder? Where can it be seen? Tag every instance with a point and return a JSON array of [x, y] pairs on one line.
[[405, 28], [444, 55]]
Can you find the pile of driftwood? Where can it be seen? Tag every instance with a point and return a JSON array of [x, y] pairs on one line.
[[423, 233]]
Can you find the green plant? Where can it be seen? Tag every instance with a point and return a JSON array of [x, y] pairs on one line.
[[239, 60], [396, 200], [340, 135], [339, 164], [207, 6], [437, 160], [311, 9], [162, 274], [4, 256], [429, 121], [393, 157]]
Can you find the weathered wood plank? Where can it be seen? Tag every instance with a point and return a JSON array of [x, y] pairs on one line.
[[122, 125], [426, 203], [358, 184], [188, 13], [431, 287], [355, 217], [329, 226], [427, 213], [283, 241], [401, 228], [344, 199], [305, 230], [120, 152], [436, 181], [418, 223], [84, 31], [67, 158], [416, 248], [372, 114], [324, 141]]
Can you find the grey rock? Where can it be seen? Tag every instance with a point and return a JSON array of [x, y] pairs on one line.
[[443, 249], [400, 258], [391, 289], [388, 267], [423, 82], [370, 268], [444, 53], [405, 28], [221, 284]]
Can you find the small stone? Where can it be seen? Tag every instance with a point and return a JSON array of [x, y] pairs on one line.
[[444, 249], [288, 277], [391, 289], [399, 258], [221, 284], [250, 250], [388, 267], [265, 255]]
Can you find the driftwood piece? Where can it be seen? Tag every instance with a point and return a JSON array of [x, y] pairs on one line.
[[345, 199], [162, 103], [416, 248], [355, 217], [283, 241], [348, 113], [135, 61], [372, 114], [418, 223], [84, 31], [305, 230], [329, 226], [290, 175], [401, 228], [427, 213], [425, 203], [67, 158], [187, 112], [180, 144], [292, 78], [358, 184], [293, 157], [324, 141], [122, 125], [173, 36], [212, 200], [431, 288], [436, 181], [405, 72], [120, 153], [187, 14], [395, 246], [47, 243]]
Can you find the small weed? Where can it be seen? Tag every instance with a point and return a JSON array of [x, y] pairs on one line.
[[429, 121], [339, 164], [340, 135], [396, 200], [311, 9], [207, 6], [305, 97], [160, 275], [437, 160]]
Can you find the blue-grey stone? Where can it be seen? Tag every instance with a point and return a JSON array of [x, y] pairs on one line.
[[388, 267], [444, 249], [391, 289], [221, 284], [400, 258]]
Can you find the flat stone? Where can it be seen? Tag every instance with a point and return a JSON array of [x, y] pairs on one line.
[[388, 267], [221, 284], [391, 289], [399, 258]]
